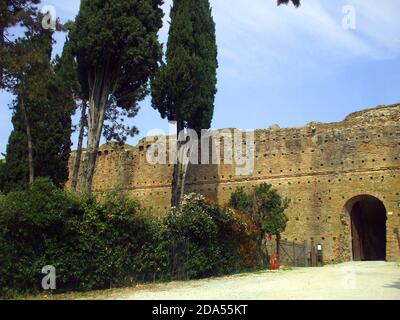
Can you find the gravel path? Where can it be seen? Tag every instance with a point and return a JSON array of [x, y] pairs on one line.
[[354, 280]]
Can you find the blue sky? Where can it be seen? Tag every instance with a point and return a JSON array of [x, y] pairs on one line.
[[286, 66]]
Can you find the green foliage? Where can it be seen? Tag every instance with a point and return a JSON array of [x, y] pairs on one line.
[[2, 173], [203, 238], [117, 51], [66, 69], [32, 224], [120, 36], [47, 99], [16, 166], [264, 205], [240, 200], [270, 209], [185, 87], [114, 242], [12, 13], [18, 54], [92, 245]]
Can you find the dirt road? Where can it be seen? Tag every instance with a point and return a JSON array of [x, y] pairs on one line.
[[348, 281], [355, 280]]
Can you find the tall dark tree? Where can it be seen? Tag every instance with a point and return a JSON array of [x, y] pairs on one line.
[[67, 70], [24, 57], [16, 169], [12, 13], [39, 145], [185, 88], [117, 51]]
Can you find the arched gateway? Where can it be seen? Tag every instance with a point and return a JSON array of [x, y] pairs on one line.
[[368, 228]]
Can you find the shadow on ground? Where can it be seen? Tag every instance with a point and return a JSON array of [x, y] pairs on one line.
[[395, 285]]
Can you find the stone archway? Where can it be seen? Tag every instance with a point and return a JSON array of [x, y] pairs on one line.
[[368, 228]]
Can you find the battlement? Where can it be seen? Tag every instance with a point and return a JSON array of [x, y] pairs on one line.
[[357, 120]]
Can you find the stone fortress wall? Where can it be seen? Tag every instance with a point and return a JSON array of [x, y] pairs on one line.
[[321, 167]]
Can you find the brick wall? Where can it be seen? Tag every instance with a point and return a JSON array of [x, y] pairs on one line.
[[321, 167]]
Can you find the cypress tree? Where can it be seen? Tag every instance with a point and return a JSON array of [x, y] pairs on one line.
[[16, 168], [185, 88], [117, 51]]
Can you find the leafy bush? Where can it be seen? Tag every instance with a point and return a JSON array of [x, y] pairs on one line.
[[32, 224], [204, 239], [113, 242], [113, 234], [92, 245]]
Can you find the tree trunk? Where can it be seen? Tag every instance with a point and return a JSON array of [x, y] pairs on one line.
[[29, 138], [77, 164], [262, 250], [176, 179], [180, 169], [265, 249], [278, 244], [99, 90]]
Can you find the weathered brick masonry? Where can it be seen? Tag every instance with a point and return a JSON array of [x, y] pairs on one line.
[[323, 168]]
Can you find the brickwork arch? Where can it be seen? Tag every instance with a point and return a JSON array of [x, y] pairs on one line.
[[366, 216]]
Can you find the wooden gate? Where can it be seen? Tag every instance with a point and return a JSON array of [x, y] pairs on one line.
[[293, 254]]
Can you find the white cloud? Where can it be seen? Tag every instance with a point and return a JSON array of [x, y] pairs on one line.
[[256, 37], [379, 22], [257, 25]]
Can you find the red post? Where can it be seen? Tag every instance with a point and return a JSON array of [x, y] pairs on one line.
[[273, 263]]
